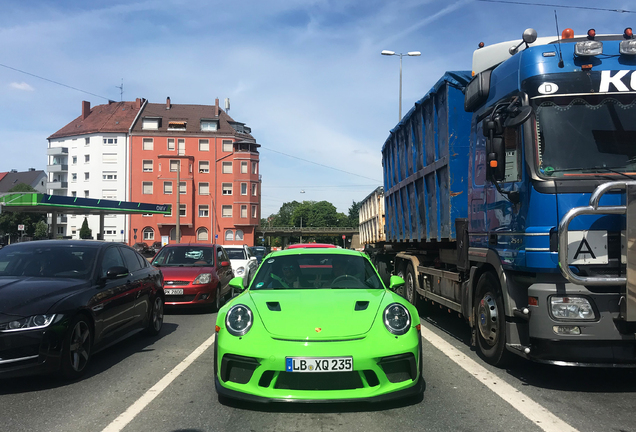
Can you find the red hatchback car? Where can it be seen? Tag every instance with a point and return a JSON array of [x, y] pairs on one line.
[[194, 274]]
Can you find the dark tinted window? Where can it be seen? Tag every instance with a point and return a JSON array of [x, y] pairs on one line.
[[238, 254], [57, 261], [130, 256], [111, 258]]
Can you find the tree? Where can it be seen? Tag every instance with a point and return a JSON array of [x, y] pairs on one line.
[[354, 214], [85, 231], [9, 220], [41, 230]]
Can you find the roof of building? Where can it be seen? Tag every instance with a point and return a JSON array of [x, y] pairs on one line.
[[9, 180], [190, 115], [113, 117]]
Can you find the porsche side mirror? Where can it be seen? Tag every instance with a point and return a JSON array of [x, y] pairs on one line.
[[396, 283], [237, 284]]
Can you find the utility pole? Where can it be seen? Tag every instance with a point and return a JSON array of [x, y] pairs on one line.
[[178, 228]]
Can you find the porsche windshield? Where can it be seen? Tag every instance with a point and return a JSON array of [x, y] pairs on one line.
[[184, 256], [586, 135], [305, 271]]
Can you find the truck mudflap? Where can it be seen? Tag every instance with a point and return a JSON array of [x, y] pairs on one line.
[[628, 295]]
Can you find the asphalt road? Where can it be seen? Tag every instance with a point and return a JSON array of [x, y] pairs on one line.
[[468, 396]]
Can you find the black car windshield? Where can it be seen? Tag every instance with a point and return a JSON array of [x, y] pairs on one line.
[[238, 254], [185, 256], [306, 271], [48, 261], [586, 135]]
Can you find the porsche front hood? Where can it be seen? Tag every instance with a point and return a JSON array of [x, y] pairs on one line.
[[315, 314]]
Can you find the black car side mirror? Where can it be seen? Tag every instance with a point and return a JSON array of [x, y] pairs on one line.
[[117, 272]]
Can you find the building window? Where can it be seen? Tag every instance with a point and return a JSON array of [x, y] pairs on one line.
[[204, 188], [204, 211], [87, 176], [148, 144], [150, 123], [204, 145], [110, 141], [74, 160], [74, 177], [243, 167], [227, 145], [149, 233], [229, 235], [204, 166], [87, 141], [109, 175], [254, 211], [254, 168], [74, 194], [227, 168], [167, 188], [182, 210], [208, 125], [181, 147], [227, 188], [173, 234], [243, 188], [170, 144], [146, 215], [109, 194], [85, 194], [174, 165], [243, 211], [226, 211], [202, 234], [239, 235], [147, 165], [109, 157], [254, 189], [177, 125], [183, 189], [147, 188], [169, 214]]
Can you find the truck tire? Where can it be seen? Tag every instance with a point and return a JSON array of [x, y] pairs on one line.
[[490, 321], [410, 293], [383, 271]]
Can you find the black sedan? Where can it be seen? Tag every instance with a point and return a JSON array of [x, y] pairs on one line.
[[61, 301]]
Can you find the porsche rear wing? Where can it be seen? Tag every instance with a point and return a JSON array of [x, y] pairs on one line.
[[628, 188]]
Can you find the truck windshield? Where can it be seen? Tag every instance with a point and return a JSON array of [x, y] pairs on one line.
[[589, 135]]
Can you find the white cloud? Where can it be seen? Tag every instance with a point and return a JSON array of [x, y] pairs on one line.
[[21, 86]]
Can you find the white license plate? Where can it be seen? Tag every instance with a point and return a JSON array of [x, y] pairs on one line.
[[587, 247], [173, 291], [318, 364]]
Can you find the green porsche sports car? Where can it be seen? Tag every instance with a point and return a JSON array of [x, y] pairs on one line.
[[317, 325]]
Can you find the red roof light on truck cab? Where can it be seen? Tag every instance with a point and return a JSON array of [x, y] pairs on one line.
[[591, 34], [628, 34], [568, 33]]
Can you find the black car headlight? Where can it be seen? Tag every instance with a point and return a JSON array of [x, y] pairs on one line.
[[397, 319], [31, 323], [238, 320]]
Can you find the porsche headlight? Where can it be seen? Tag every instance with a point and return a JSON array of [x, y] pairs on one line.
[[397, 319], [31, 323], [202, 279], [238, 320], [239, 271]]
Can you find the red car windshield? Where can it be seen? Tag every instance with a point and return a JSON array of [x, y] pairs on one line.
[[184, 256]]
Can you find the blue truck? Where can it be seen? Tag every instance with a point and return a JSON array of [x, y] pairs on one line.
[[510, 198]]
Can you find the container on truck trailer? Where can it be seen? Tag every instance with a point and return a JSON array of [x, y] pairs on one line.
[[510, 197]]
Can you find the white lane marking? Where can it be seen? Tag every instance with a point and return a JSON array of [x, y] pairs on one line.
[[521, 402], [127, 416]]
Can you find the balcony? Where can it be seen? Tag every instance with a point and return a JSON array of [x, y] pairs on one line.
[[56, 168], [57, 151], [57, 185]]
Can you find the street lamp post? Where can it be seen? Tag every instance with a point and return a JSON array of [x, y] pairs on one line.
[[392, 53]]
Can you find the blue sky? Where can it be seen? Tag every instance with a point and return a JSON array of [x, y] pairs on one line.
[[306, 76]]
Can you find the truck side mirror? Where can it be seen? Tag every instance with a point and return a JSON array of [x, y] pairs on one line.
[[496, 157], [518, 116]]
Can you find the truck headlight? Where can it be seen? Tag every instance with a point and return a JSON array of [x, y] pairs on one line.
[[238, 320], [572, 308], [397, 319], [588, 48]]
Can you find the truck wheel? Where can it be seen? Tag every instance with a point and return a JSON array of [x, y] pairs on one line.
[[490, 320], [384, 274], [410, 293]]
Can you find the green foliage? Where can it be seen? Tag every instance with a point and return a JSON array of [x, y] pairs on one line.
[[41, 230], [354, 214], [85, 231], [22, 187]]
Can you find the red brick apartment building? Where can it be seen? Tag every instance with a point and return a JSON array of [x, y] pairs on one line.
[[200, 152]]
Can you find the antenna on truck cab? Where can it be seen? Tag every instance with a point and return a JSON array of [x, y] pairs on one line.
[[556, 21]]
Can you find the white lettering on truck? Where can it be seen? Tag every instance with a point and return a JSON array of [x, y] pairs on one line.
[[607, 79]]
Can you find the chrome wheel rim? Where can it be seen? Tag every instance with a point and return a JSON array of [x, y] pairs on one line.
[[488, 319], [157, 314], [80, 346]]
